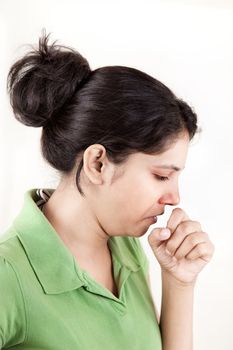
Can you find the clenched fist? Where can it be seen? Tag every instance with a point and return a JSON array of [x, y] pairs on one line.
[[182, 248]]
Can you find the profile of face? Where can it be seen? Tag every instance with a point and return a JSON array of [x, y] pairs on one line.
[[124, 199]]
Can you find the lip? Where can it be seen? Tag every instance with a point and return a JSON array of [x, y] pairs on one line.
[[153, 219]]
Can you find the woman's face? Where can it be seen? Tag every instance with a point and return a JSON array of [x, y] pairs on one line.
[[147, 183]]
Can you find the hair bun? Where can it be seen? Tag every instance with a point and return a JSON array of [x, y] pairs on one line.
[[44, 80]]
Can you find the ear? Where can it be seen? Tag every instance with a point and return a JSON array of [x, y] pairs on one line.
[[94, 163]]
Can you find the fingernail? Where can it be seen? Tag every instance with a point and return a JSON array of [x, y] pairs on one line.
[[165, 233]]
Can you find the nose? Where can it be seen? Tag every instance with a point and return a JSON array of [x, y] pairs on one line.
[[170, 197]]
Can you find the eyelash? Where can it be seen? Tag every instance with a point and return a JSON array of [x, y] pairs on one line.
[[161, 178]]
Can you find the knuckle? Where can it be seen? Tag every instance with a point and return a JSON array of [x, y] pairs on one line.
[[185, 225], [201, 249], [178, 213], [196, 237], [191, 225], [178, 210], [193, 239], [183, 228], [196, 224]]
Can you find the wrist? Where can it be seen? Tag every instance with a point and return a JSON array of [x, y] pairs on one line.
[[173, 282]]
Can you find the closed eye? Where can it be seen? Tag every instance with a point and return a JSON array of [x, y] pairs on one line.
[[161, 178]]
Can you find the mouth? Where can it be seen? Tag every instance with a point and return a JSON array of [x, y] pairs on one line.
[[153, 219]]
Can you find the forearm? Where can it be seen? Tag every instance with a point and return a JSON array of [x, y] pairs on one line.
[[176, 319]]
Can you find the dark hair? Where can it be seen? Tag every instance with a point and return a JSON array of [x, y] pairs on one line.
[[122, 108]]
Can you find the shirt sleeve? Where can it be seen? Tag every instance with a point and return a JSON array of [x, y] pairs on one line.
[[12, 310]]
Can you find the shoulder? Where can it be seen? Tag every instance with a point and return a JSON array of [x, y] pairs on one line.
[[10, 246], [13, 317]]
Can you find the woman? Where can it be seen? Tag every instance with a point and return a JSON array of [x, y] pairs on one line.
[[73, 274]]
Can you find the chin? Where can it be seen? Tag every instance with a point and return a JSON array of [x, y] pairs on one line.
[[139, 230], [137, 233]]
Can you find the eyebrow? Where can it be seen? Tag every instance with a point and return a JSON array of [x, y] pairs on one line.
[[173, 167]]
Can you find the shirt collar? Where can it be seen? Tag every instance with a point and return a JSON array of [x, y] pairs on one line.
[[52, 262]]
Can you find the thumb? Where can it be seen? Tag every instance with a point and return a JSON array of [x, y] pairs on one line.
[[157, 236]]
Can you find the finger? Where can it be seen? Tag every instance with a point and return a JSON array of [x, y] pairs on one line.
[[158, 236], [177, 216], [183, 229], [203, 250], [157, 240], [189, 243]]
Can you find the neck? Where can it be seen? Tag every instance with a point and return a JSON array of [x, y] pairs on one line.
[[75, 222]]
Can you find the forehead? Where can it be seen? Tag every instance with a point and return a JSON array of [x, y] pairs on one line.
[[173, 158]]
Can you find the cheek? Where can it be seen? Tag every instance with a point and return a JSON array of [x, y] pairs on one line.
[[122, 209], [134, 199]]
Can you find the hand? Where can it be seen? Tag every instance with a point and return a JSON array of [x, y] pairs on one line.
[[182, 248]]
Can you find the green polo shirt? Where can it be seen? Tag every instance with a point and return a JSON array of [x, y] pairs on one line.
[[48, 302]]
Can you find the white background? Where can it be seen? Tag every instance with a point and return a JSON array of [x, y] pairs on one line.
[[188, 46]]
